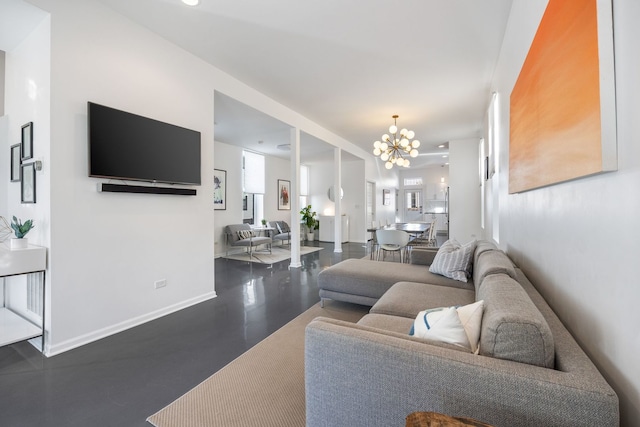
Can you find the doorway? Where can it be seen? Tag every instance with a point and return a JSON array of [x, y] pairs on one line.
[[413, 205], [370, 203]]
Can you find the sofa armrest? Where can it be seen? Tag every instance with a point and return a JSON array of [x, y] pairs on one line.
[[423, 256], [361, 376]]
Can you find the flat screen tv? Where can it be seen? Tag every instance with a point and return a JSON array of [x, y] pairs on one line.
[[126, 146]]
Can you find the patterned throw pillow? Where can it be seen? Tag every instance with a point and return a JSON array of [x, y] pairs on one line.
[[453, 260], [245, 234]]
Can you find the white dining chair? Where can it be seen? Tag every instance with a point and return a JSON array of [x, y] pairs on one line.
[[392, 241]]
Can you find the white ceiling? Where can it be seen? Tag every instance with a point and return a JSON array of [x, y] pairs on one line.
[[346, 65]]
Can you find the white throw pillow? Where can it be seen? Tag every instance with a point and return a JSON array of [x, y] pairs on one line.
[[454, 260], [453, 325], [471, 319]]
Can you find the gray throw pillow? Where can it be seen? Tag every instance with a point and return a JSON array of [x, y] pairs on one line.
[[454, 260]]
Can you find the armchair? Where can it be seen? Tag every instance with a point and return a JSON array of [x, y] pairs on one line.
[[282, 231], [242, 235]]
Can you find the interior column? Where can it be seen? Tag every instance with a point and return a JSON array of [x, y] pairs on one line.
[[294, 198], [337, 187]]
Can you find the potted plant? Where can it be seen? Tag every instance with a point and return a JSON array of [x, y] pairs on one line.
[[308, 218], [20, 230]]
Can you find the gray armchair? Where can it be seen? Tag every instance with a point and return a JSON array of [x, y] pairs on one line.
[[242, 235], [282, 231]]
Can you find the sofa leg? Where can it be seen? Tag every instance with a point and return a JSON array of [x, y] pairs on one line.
[[322, 302]]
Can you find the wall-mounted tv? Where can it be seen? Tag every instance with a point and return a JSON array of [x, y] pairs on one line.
[[126, 146]]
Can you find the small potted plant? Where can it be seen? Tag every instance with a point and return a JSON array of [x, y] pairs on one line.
[[264, 222], [308, 218], [20, 230]]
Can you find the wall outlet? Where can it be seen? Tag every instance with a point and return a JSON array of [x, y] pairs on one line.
[[160, 283]]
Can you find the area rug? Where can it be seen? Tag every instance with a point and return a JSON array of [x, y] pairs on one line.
[[262, 387], [277, 254]]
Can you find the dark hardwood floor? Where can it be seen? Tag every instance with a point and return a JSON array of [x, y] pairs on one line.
[[121, 380]]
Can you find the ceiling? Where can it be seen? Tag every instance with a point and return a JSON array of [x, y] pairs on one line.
[[346, 65]]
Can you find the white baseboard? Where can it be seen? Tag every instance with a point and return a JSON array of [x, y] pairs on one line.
[[123, 326]]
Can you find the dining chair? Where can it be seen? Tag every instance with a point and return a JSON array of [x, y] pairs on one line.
[[372, 244], [392, 241]]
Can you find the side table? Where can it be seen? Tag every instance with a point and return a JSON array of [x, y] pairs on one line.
[[14, 327]]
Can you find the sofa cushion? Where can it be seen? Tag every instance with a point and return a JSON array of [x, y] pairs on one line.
[[398, 327], [407, 299], [364, 277], [492, 262], [454, 260], [512, 326], [481, 247]]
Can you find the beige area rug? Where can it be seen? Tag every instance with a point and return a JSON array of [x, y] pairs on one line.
[[262, 387], [277, 254]]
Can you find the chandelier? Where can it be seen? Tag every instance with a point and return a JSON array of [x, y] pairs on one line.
[[396, 148]]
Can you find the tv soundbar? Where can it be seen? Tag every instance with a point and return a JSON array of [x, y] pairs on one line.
[[121, 188]]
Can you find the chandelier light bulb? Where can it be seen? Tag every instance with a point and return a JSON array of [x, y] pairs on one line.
[[395, 149]]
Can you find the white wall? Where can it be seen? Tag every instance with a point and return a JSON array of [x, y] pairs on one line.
[[578, 241], [107, 250], [464, 191], [27, 99], [228, 158], [353, 202]]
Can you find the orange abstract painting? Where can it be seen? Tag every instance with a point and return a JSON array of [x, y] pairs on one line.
[[555, 117]]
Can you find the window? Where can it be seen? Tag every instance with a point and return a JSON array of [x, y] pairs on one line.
[[253, 176], [304, 180], [412, 181]]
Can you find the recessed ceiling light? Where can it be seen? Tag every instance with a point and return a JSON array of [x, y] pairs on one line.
[[191, 2]]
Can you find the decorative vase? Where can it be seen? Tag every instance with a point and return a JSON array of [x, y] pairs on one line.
[[310, 236], [19, 243]]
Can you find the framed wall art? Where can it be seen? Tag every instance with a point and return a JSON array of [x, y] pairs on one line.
[[27, 141], [15, 163], [28, 183], [219, 189], [284, 189], [562, 107]]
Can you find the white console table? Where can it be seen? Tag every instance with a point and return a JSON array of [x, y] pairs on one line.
[[13, 326]]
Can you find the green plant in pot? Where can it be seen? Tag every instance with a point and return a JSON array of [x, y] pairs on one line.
[[20, 229], [309, 220]]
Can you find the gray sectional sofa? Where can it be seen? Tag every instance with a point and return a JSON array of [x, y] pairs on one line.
[[529, 370]]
